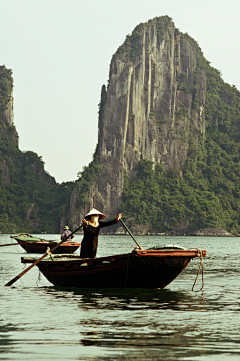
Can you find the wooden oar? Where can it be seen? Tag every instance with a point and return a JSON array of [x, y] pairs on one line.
[[124, 225], [9, 244], [10, 283]]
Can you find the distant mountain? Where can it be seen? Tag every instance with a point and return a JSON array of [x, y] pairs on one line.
[[30, 199], [169, 136], [168, 148]]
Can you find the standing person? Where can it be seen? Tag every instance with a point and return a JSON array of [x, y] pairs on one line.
[[66, 233], [91, 230]]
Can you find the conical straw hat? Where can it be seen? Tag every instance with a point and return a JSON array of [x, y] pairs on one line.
[[95, 212]]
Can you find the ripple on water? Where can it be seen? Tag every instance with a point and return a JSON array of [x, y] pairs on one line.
[[42, 322]]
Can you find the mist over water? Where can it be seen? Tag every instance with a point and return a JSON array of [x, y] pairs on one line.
[[42, 322]]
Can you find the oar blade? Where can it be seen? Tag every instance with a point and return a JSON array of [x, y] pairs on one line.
[[10, 283]]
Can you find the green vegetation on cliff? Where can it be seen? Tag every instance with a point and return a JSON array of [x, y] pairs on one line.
[[204, 193], [86, 179], [30, 199], [207, 192]]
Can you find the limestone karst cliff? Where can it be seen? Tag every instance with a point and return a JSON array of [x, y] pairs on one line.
[[153, 108], [6, 105], [30, 199], [168, 151]]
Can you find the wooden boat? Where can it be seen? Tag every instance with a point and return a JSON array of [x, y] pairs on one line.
[[139, 269], [37, 245]]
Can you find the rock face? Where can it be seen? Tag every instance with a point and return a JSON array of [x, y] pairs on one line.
[[25, 187], [6, 106], [153, 108], [211, 231], [32, 217], [6, 103], [6, 118]]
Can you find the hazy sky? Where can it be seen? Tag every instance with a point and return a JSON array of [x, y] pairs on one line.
[[60, 51]]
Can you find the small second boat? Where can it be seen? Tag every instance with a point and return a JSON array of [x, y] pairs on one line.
[[33, 244]]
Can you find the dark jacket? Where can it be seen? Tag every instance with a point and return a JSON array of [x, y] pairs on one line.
[[65, 234], [90, 239]]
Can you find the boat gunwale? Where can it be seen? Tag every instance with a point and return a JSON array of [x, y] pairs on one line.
[[46, 243], [135, 253], [41, 241]]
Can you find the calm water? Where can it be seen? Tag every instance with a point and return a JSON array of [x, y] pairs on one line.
[[40, 322]]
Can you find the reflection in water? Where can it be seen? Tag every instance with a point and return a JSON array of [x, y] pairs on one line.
[[47, 323], [5, 337], [133, 299], [133, 320]]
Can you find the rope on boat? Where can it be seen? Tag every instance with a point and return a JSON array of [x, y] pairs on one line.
[[200, 255], [39, 278], [23, 270], [48, 251]]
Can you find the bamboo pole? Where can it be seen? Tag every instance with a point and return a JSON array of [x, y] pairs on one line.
[[124, 225], [9, 244]]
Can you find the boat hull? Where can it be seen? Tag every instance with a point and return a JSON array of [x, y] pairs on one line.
[[41, 248], [142, 269], [36, 245]]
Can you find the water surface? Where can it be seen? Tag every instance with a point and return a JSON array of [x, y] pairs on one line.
[[41, 322]]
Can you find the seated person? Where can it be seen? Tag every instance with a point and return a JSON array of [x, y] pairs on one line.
[[66, 233]]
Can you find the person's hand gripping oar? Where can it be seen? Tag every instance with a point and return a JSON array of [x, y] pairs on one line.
[[10, 283], [124, 225]]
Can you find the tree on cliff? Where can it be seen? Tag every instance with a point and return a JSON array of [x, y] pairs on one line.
[[30, 199], [169, 136], [168, 147]]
